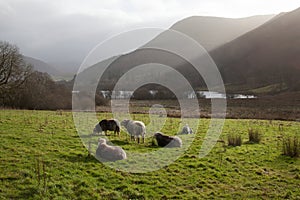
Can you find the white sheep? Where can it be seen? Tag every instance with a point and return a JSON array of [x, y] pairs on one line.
[[109, 153], [136, 129], [186, 130]]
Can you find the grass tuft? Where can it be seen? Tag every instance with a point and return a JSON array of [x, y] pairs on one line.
[[254, 136], [291, 146], [234, 140]]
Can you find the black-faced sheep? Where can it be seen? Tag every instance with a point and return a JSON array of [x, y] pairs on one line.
[[107, 125], [109, 153], [186, 130], [136, 129], [167, 141]]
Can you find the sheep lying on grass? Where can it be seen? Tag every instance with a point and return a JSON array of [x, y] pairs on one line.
[[109, 153], [107, 125], [168, 141], [136, 129], [186, 130]]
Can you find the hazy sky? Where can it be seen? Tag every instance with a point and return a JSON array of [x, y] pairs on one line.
[[65, 30]]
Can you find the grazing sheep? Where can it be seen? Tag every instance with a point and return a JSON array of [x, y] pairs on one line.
[[107, 125], [136, 129], [109, 153], [168, 141], [186, 130]]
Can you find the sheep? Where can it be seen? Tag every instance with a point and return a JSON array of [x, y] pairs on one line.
[[186, 130], [107, 125], [136, 129], [168, 141], [109, 153]]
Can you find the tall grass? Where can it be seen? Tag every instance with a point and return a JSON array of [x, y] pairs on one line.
[[291, 146], [234, 140], [254, 136]]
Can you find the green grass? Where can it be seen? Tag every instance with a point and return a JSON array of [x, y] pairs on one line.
[[42, 157]]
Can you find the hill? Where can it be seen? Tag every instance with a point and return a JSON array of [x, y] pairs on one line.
[[212, 32], [203, 29], [265, 59], [42, 66]]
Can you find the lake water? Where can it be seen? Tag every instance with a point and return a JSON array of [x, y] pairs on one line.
[[189, 95]]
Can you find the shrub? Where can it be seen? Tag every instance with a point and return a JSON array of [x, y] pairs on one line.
[[234, 140], [254, 136], [100, 100], [291, 146]]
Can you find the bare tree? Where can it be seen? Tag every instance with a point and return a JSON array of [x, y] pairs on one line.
[[39, 91], [13, 69], [13, 72]]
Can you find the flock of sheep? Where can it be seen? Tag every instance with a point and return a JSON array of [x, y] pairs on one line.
[[136, 130]]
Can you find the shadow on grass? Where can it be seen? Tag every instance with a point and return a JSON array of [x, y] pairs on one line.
[[88, 135], [83, 136], [119, 142], [79, 158], [84, 158]]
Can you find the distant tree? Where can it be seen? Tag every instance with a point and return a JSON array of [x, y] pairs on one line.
[[13, 72], [21, 87], [164, 93], [142, 93], [39, 91], [13, 69]]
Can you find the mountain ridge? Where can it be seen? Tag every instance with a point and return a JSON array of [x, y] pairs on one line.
[[209, 28], [123, 63], [41, 66], [264, 56]]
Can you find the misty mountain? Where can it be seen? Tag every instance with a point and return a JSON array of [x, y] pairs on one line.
[[212, 32], [67, 68], [267, 55], [42, 66], [206, 30]]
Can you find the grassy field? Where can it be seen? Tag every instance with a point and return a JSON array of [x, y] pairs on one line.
[[42, 157]]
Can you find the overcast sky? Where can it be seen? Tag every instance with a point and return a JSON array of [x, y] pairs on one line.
[[66, 30]]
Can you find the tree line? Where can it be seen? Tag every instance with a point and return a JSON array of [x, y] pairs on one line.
[[22, 87]]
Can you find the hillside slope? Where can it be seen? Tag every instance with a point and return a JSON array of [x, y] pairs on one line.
[[212, 32], [41, 66], [205, 30], [268, 55]]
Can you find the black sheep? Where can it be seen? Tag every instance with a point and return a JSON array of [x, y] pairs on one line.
[[168, 141], [107, 125]]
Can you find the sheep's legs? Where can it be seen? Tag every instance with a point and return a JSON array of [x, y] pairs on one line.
[[117, 133], [132, 138]]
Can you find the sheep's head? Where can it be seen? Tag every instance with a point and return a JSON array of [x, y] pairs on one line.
[[125, 122], [157, 135], [101, 141], [97, 129], [186, 130]]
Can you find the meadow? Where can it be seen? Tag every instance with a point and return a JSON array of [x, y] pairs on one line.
[[43, 157]]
